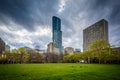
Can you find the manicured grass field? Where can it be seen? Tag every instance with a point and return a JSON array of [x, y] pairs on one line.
[[59, 72]]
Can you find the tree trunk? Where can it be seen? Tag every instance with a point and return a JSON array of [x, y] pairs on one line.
[[88, 59], [99, 60], [105, 61]]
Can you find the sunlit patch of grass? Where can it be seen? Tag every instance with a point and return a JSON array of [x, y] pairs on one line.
[[59, 72]]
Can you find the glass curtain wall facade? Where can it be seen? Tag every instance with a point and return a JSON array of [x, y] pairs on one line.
[[56, 32]]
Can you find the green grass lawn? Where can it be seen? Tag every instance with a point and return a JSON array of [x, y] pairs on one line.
[[59, 72]]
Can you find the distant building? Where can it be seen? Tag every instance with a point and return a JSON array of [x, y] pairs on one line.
[[52, 48], [40, 51], [57, 33], [97, 31], [35, 56], [77, 51], [116, 50], [68, 50], [2, 46], [7, 47], [37, 47], [53, 53], [29, 50]]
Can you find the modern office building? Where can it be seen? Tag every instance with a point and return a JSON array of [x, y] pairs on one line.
[[2, 46], [56, 32], [97, 31]]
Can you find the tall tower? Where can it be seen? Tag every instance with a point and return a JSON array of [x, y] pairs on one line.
[[97, 31], [56, 32], [2, 46]]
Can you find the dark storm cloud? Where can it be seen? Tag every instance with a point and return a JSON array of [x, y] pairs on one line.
[[18, 15], [17, 10], [110, 10], [26, 12], [113, 6]]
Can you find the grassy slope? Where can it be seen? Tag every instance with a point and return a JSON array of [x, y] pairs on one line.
[[59, 72]]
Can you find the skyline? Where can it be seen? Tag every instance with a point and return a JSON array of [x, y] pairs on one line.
[[29, 23]]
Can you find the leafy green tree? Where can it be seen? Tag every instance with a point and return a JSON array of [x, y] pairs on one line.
[[22, 52], [13, 57], [88, 55], [26, 58], [72, 58], [117, 58], [6, 54], [100, 48], [69, 58]]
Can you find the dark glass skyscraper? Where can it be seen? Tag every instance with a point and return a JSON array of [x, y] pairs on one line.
[[56, 32]]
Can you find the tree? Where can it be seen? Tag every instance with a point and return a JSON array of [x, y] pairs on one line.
[[72, 58], [22, 52], [100, 48], [26, 58], [87, 55], [14, 57]]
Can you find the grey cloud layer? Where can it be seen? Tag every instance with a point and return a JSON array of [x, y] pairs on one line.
[[83, 13], [27, 12], [76, 16]]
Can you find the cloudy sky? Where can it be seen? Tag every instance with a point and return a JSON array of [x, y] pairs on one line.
[[28, 22]]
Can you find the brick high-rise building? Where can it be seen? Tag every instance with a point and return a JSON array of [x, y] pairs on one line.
[[97, 31], [2, 46]]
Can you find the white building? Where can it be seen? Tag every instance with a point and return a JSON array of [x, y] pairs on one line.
[[52, 48], [68, 50]]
